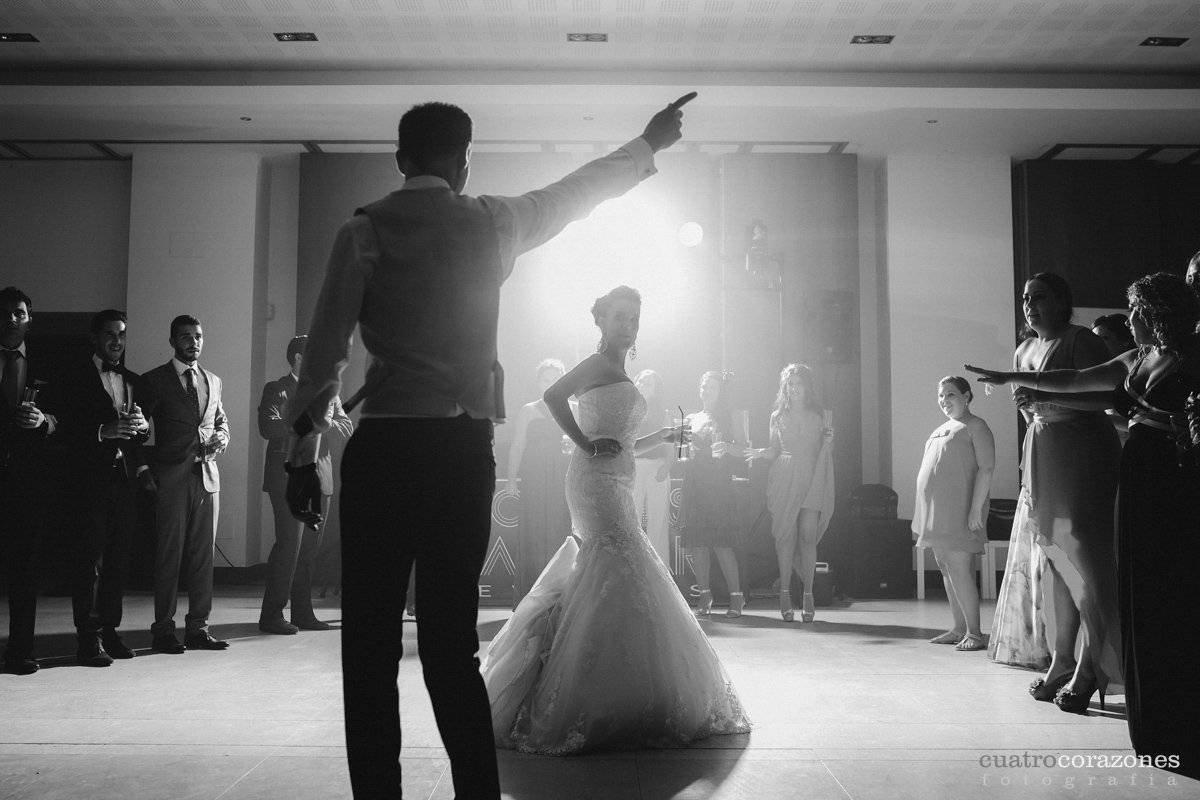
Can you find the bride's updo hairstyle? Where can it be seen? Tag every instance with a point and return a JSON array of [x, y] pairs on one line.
[[604, 303]]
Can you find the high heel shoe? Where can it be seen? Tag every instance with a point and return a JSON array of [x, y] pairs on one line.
[[785, 607], [737, 601], [704, 604], [1044, 691], [1077, 702], [808, 612]]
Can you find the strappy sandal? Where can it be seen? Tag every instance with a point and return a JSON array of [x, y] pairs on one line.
[[949, 637], [972, 641]]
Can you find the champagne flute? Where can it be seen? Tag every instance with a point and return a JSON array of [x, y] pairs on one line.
[[681, 449]]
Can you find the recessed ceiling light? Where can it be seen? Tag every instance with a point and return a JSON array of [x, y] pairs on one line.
[[1163, 41], [296, 37], [17, 37], [871, 38], [587, 37]]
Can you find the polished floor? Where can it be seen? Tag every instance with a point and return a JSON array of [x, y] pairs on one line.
[[856, 705]]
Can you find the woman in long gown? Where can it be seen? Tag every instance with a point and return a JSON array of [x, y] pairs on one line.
[[1158, 538], [604, 653], [1065, 510], [800, 493], [536, 456]]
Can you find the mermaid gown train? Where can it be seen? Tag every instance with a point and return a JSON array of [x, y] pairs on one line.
[[604, 653]]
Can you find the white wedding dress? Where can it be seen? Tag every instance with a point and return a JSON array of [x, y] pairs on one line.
[[604, 653]]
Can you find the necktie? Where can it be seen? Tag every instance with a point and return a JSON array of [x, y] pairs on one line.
[[192, 394], [8, 383]]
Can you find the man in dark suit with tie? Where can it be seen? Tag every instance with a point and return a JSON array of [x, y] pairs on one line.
[[190, 429], [23, 431], [290, 565], [104, 429]]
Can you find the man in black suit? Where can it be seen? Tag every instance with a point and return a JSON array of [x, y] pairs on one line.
[[24, 427], [183, 399], [290, 565], [104, 429]]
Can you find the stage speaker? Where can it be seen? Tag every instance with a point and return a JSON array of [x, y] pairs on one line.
[[882, 555]]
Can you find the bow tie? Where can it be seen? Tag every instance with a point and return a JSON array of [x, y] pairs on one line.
[[107, 367]]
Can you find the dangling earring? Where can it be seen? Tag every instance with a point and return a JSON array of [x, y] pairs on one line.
[[633, 353], [602, 345]]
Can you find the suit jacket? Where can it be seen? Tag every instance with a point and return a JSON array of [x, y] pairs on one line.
[[86, 406], [274, 428], [21, 448], [178, 432]]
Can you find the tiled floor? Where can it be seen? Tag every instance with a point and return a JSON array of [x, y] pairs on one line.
[[856, 705]]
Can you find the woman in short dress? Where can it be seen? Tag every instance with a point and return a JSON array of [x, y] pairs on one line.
[[952, 506], [800, 492]]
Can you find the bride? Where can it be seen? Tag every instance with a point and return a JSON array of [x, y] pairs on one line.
[[604, 653]]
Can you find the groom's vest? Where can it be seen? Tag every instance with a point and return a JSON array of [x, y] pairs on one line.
[[430, 308]]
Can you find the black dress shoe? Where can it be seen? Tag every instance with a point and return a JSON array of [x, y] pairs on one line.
[[311, 624], [278, 626], [167, 643], [203, 641], [91, 653], [113, 644], [21, 665]]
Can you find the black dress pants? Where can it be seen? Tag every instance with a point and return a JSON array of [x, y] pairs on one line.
[[21, 513], [416, 491], [106, 515]]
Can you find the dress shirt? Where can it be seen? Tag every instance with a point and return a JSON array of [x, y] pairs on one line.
[[521, 223], [114, 383], [197, 376]]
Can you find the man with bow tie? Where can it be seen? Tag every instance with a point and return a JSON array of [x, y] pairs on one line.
[[24, 427], [103, 427], [183, 399]]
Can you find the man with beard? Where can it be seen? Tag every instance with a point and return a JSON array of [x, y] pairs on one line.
[[190, 429]]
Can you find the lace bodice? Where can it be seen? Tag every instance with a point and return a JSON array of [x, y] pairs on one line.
[[613, 411]]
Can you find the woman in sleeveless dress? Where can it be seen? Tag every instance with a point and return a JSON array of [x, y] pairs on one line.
[[800, 493], [952, 506], [1158, 531], [536, 456], [604, 652], [1065, 511]]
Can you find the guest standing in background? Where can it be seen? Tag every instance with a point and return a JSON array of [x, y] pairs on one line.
[[103, 429], [1113, 330], [952, 506], [652, 478], [1068, 487], [800, 491], [24, 427], [707, 507], [1157, 386], [293, 556], [536, 455], [1192, 276], [183, 399]]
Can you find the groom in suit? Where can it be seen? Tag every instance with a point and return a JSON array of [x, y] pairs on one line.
[[104, 430], [184, 401]]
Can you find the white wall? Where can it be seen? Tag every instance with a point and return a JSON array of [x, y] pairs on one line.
[[64, 232], [950, 288], [194, 247]]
